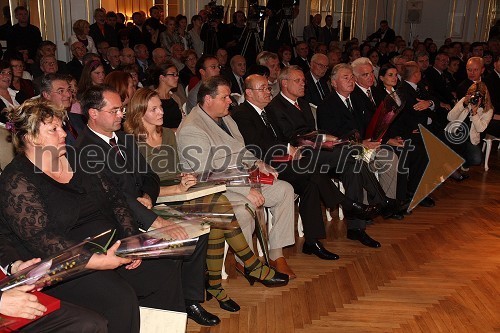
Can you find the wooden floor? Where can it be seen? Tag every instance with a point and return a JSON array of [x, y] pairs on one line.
[[438, 270]]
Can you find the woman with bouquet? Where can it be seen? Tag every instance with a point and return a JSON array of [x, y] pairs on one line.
[[158, 145], [48, 204]]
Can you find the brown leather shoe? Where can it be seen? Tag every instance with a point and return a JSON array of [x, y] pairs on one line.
[[281, 266]]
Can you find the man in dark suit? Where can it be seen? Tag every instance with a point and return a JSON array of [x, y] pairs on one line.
[[384, 33], [329, 32], [236, 74], [143, 62], [493, 84], [75, 66], [302, 58], [291, 115], [317, 88], [367, 99], [137, 33], [312, 186], [418, 110], [100, 30], [475, 69], [115, 154], [438, 85]]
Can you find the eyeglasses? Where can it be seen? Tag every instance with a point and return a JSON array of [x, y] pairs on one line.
[[115, 111], [320, 65], [17, 66], [262, 89], [172, 74], [62, 91], [6, 73]]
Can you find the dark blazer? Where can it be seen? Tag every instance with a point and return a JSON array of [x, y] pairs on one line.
[[77, 123], [335, 118], [289, 121], [109, 34], [408, 119], [493, 84], [263, 139], [330, 34], [301, 63], [439, 86], [389, 36], [135, 177], [312, 94], [75, 68], [136, 36], [463, 87], [235, 88]]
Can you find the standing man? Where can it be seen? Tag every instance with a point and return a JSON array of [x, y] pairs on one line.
[[23, 33], [313, 30], [317, 88], [329, 33], [209, 139], [384, 33], [100, 30]]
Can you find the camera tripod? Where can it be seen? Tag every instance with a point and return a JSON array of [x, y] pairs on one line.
[[251, 31], [289, 25]]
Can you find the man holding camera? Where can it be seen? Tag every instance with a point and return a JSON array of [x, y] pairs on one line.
[[281, 14]]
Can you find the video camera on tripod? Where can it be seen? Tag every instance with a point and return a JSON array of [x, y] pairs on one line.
[[287, 10], [216, 12], [256, 13]]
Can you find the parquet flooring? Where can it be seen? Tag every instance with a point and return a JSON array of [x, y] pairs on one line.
[[437, 271]]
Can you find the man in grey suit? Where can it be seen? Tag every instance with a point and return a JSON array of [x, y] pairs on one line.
[[209, 139]]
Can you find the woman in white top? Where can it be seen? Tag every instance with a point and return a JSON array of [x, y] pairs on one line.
[[81, 29], [7, 95], [468, 119]]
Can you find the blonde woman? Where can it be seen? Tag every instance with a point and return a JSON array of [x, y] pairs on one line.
[[81, 30]]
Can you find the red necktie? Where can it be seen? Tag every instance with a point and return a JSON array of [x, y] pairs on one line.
[[113, 144], [297, 105]]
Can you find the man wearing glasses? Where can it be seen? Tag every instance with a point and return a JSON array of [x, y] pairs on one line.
[[206, 67], [312, 186], [55, 88], [317, 88], [104, 149]]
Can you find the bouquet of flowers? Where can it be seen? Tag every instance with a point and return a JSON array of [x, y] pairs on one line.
[[315, 140], [160, 242], [62, 266], [384, 116]]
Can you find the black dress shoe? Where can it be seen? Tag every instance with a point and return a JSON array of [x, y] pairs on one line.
[[201, 316], [355, 210], [427, 202], [318, 249], [458, 176], [361, 236], [394, 216]]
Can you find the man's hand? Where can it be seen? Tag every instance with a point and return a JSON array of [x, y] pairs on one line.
[[422, 105], [20, 303], [256, 198], [294, 152], [146, 201], [175, 230], [331, 138], [266, 169], [371, 144], [396, 142]]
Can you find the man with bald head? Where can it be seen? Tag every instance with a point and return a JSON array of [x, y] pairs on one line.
[[160, 56], [317, 88], [236, 75], [475, 69], [312, 186]]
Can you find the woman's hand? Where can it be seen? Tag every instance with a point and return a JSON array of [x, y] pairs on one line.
[[175, 230], [146, 201], [187, 181], [19, 265], [20, 303], [107, 261]]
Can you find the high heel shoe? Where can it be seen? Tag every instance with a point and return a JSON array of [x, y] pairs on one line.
[[228, 305], [278, 280]]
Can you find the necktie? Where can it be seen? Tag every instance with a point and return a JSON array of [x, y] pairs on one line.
[[263, 114], [369, 94], [68, 127], [112, 143], [320, 89], [349, 105], [296, 104], [224, 127], [242, 85]]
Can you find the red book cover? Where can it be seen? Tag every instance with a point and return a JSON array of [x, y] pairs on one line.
[[10, 324], [282, 158], [262, 178]]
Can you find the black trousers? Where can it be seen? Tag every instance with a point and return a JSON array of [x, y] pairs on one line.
[[312, 187], [355, 175], [158, 283], [69, 318]]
